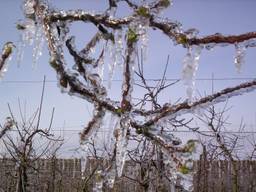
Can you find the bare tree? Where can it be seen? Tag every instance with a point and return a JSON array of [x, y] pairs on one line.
[[126, 36], [27, 143], [220, 143]]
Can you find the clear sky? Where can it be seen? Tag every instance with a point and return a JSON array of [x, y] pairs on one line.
[[208, 16]]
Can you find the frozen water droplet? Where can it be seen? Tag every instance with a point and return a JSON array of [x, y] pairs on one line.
[[191, 33], [210, 46]]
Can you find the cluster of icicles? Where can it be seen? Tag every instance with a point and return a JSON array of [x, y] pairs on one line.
[[33, 33], [191, 62]]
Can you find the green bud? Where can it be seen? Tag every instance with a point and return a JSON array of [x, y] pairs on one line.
[[184, 169], [182, 39], [139, 131], [190, 146], [132, 36], [119, 111], [7, 49], [143, 11]]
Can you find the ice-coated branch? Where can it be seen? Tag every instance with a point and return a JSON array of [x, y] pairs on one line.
[[128, 71], [173, 30], [85, 78], [219, 38], [67, 80], [185, 107], [94, 124], [80, 15], [82, 64]]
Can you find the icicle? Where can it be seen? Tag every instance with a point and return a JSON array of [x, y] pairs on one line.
[[38, 45], [239, 56], [112, 63], [119, 47], [192, 151], [112, 48], [142, 30], [140, 26], [113, 124], [116, 55], [20, 51], [190, 66], [101, 68], [98, 182], [28, 33], [121, 144]]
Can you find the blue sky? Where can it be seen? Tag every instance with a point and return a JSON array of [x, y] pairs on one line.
[[208, 16]]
